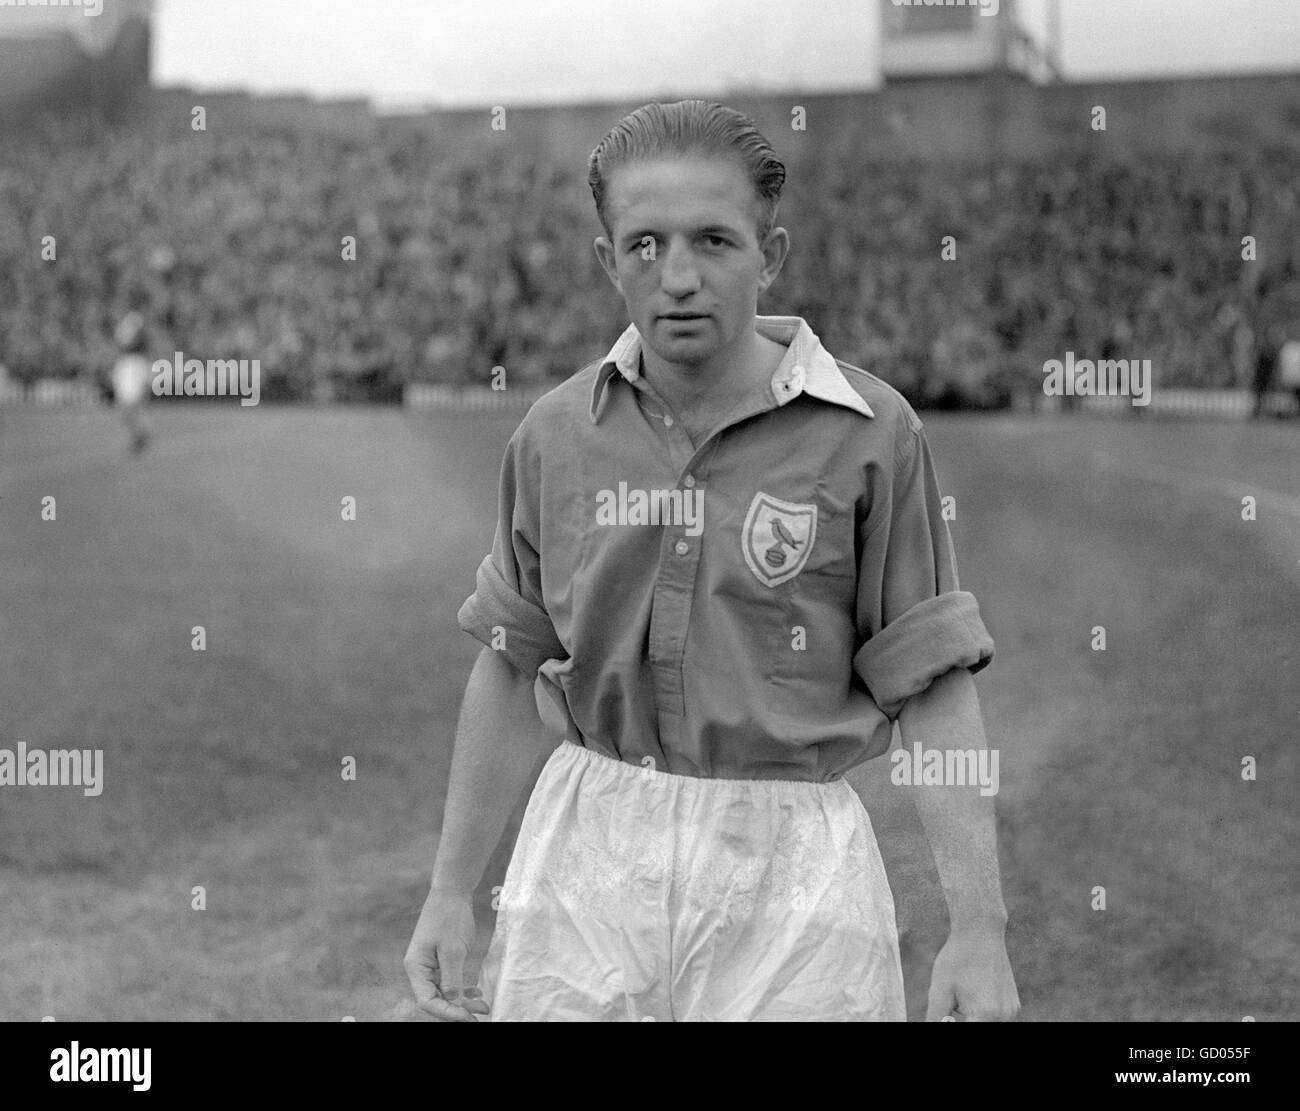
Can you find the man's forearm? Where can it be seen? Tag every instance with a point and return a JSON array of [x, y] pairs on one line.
[[958, 820], [500, 739]]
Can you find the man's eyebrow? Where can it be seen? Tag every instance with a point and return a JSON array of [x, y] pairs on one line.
[[637, 236], [703, 229]]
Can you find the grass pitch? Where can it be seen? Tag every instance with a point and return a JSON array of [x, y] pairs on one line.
[[328, 639]]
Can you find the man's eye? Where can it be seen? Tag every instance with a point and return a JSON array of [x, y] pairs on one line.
[[716, 240]]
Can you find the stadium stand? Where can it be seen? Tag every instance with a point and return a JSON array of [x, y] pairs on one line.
[[229, 241]]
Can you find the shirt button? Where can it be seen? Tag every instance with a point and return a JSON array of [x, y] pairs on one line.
[[682, 547], [668, 421], [689, 481]]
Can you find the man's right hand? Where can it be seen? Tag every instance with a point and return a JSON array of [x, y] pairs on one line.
[[435, 959]]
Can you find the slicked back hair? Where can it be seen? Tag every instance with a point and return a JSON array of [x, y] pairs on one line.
[[683, 128]]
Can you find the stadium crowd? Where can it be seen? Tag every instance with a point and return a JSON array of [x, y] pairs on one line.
[[231, 245]]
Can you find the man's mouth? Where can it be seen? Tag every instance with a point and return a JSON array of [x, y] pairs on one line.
[[684, 316]]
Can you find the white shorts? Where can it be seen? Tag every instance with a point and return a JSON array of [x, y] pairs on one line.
[[636, 895]]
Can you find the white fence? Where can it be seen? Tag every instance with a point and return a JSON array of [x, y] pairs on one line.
[[1222, 404], [460, 399], [51, 393], [424, 396]]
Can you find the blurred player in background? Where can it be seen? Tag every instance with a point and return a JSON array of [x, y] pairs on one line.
[[1288, 368], [131, 379]]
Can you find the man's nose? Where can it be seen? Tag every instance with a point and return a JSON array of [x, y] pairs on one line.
[[679, 274]]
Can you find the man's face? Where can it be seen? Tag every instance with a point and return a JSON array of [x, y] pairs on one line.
[[685, 254]]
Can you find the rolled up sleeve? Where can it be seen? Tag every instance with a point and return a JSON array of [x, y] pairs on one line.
[[913, 620], [506, 612]]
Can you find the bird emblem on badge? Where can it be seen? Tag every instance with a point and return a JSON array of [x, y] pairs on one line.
[[775, 555]]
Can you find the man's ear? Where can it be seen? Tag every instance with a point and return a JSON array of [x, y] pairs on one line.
[[605, 253], [775, 248]]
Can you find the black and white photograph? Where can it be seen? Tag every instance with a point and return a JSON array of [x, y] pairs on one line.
[[596, 511]]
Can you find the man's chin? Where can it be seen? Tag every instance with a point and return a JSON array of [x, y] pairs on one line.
[[681, 346], [684, 353]]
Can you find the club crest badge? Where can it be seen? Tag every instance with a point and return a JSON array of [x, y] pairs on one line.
[[777, 537]]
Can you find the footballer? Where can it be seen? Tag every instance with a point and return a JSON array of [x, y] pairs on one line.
[[130, 379], [720, 576]]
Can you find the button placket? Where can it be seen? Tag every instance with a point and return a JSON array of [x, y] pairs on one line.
[[675, 591]]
